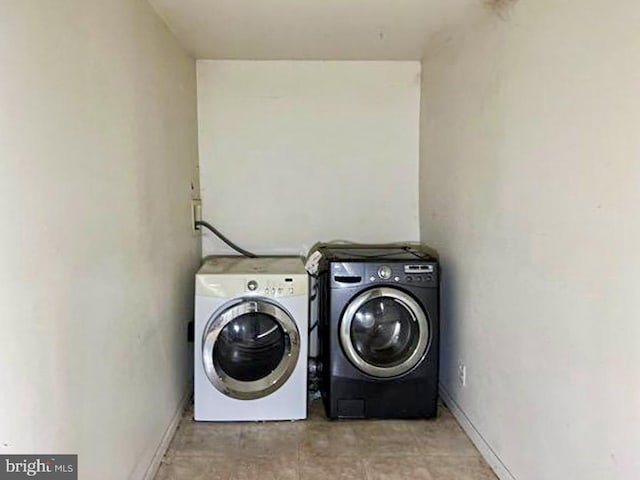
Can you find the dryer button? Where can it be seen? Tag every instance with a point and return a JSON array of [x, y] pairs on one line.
[[252, 285]]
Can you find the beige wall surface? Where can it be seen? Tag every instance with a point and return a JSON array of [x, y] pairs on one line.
[[98, 149], [530, 189], [296, 152]]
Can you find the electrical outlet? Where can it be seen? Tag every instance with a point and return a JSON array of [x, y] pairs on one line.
[[196, 214], [462, 374]]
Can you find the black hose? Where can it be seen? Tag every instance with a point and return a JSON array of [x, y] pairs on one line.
[[208, 226]]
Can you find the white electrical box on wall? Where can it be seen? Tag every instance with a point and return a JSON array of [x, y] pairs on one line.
[[196, 214]]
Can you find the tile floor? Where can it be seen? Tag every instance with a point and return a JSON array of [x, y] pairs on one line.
[[320, 449]]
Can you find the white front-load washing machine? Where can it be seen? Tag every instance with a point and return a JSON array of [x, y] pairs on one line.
[[251, 332]]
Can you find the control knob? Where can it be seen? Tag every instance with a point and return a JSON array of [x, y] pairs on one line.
[[384, 272]]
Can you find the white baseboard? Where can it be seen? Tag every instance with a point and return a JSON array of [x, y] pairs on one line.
[[476, 437], [152, 470]]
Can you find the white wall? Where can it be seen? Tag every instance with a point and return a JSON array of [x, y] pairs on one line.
[[530, 177], [296, 152], [98, 149]]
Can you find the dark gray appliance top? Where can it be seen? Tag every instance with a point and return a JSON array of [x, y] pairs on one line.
[[386, 252]]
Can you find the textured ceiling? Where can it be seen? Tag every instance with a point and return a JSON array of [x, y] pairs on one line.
[[310, 29]]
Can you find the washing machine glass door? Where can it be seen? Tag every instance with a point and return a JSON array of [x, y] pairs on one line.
[[384, 332], [250, 349]]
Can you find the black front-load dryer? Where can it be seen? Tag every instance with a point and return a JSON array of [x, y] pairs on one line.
[[378, 331]]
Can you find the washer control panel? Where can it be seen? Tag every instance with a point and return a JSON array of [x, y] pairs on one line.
[[345, 274]]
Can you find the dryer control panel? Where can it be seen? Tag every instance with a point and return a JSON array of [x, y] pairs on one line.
[[270, 287], [231, 286]]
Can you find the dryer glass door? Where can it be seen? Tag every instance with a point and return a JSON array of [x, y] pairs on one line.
[[384, 332], [250, 349]]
